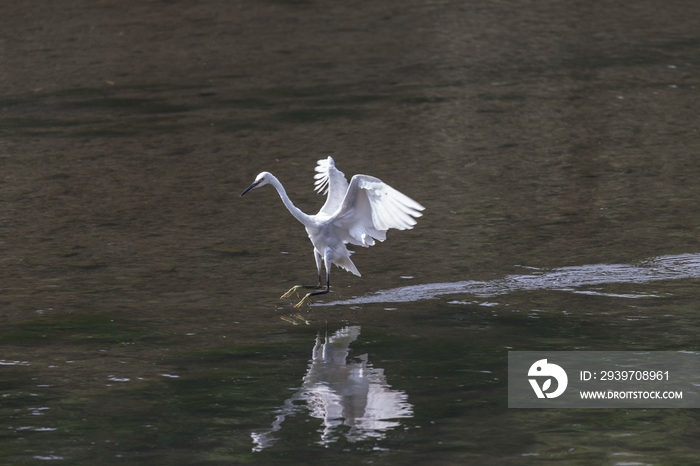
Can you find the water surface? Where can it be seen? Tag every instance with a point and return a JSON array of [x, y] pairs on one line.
[[554, 146]]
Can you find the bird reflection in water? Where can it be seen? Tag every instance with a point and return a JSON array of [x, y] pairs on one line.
[[342, 393]]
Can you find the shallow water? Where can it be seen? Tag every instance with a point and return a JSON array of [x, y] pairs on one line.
[[554, 146], [663, 268]]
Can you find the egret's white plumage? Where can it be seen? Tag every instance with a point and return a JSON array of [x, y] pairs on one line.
[[357, 213]]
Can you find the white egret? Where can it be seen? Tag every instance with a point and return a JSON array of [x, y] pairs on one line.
[[357, 213]]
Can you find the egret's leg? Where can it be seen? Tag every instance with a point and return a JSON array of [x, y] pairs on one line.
[[307, 298], [295, 289], [319, 259]]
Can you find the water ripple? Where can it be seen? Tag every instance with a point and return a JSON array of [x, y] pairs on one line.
[[672, 267]]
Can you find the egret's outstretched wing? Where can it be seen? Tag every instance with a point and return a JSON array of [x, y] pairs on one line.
[[370, 208], [332, 181]]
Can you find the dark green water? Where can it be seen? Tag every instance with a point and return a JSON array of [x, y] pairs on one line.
[[139, 313]]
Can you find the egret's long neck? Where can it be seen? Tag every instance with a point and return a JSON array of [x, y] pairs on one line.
[[294, 210]]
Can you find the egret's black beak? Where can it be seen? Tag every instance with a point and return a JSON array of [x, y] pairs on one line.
[[255, 183]]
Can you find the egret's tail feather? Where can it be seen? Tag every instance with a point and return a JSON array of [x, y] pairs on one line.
[[347, 264]]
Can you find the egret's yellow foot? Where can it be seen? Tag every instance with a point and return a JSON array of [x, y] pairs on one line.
[[304, 300], [293, 290]]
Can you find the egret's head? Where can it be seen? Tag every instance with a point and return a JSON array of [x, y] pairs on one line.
[[261, 180]]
